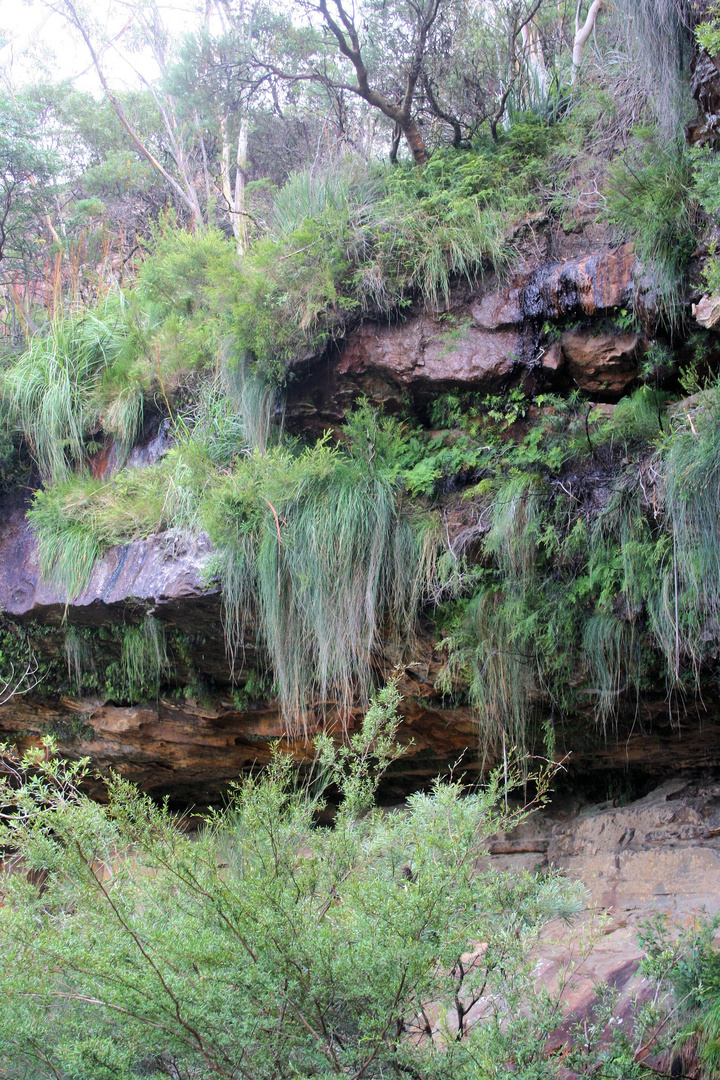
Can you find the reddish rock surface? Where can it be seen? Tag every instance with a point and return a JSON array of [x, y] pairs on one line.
[[604, 366], [192, 749], [489, 340], [590, 284], [428, 350]]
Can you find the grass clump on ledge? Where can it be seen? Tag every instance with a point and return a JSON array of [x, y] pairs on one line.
[[97, 370], [368, 242], [320, 548], [317, 550], [51, 387]]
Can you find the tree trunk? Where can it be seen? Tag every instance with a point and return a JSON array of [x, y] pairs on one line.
[[395, 144], [414, 139], [225, 170], [188, 197], [235, 194], [534, 56], [239, 228], [582, 34]]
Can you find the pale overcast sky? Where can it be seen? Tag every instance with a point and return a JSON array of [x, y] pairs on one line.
[[39, 41]]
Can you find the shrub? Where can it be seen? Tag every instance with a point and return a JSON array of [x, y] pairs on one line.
[[261, 943]]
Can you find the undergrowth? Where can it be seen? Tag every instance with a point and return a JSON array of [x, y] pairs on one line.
[[652, 200], [368, 241], [571, 600]]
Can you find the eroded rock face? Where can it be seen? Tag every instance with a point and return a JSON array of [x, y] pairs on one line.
[[591, 284], [165, 573], [656, 856], [604, 366], [425, 350], [489, 340], [193, 750], [707, 312], [705, 89]]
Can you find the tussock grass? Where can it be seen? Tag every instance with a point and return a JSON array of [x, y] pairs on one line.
[[650, 200], [690, 481], [320, 548], [639, 417], [315, 550], [77, 521], [50, 386]]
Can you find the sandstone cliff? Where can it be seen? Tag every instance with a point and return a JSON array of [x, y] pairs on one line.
[[191, 743]]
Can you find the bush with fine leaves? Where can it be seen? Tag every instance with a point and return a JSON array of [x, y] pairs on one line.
[[264, 945]]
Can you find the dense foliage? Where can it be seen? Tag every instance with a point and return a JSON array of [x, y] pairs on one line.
[[260, 944], [173, 259]]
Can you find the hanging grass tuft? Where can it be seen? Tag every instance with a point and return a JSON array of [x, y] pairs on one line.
[[51, 387], [318, 550], [144, 659]]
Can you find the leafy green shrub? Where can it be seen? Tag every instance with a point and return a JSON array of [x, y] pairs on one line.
[[687, 960], [263, 943], [708, 31]]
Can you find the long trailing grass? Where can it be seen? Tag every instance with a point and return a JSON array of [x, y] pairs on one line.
[[79, 657], [144, 658], [626, 594], [254, 401], [498, 652], [503, 684], [609, 647], [651, 200], [659, 35], [319, 547], [315, 550], [690, 479]]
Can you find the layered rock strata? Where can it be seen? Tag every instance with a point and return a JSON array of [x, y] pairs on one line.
[[551, 324]]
